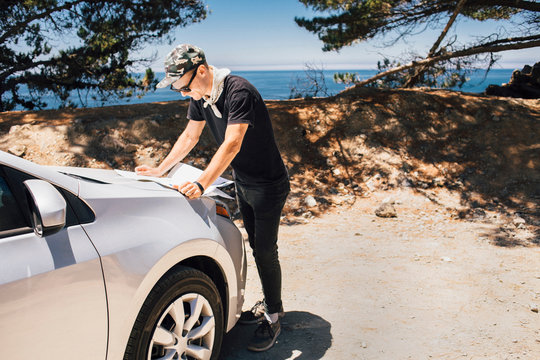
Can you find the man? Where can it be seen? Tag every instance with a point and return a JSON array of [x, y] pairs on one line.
[[238, 118]]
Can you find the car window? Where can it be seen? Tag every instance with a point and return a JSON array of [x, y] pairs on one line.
[[11, 216]]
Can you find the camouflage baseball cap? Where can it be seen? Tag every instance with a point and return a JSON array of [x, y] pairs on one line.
[[179, 61]]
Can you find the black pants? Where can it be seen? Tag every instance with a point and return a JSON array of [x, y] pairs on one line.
[[261, 211]]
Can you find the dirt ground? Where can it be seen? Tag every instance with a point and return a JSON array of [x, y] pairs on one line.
[[418, 286], [454, 274]]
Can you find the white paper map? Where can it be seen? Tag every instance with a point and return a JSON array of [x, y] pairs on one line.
[[180, 174]]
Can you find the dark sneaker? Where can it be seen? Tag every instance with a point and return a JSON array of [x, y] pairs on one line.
[[265, 336], [253, 316], [256, 314]]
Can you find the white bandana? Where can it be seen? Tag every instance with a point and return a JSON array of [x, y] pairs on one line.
[[217, 89]]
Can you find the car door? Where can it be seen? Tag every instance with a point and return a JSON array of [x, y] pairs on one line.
[[52, 294]]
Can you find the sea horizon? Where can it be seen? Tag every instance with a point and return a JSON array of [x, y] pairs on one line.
[[277, 84]]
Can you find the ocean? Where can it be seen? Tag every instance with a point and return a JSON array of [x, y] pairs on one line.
[[277, 84]]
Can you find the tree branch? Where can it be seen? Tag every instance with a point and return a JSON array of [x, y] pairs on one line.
[[21, 25], [507, 40], [26, 66], [450, 55], [516, 4], [446, 28]]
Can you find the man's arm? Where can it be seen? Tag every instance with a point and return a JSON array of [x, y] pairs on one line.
[[234, 135], [186, 141]]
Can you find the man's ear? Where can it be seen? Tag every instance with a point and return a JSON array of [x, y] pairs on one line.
[[203, 70], [204, 74]]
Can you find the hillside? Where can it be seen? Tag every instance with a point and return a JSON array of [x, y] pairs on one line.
[[476, 156]]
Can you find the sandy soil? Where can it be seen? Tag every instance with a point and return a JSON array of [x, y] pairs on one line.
[[455, 275]]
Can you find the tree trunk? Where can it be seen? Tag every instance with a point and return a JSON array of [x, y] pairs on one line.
[[413, 80]]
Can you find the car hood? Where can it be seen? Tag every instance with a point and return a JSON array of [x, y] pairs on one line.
[[107, 177]]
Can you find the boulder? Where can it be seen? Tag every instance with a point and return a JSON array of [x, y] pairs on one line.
[[523, 84], [386, 210]]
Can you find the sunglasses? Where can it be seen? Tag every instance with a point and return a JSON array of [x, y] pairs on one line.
[[186, 88]]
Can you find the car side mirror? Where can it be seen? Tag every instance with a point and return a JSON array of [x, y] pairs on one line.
[[48, 207]]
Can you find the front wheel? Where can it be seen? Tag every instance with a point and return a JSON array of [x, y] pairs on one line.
[[182, 318]]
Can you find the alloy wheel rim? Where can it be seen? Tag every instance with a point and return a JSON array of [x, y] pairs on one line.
[[185, 330]]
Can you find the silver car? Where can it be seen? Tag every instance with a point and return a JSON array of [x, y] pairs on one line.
[[97, 266]]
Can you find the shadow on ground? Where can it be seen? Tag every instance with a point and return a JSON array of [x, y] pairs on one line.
[[304, 336]]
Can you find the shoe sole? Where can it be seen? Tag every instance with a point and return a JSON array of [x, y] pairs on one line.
[[244, 322], [268, 346]]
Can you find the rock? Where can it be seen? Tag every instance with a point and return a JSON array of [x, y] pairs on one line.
[[478, 213], [406, 183], [438, 181], [336, 172], [523, 84], [534, 308], [131, 148], [310, 201], [386, 210], [370, 185], [518, 221], [17, 150], [14, 129]]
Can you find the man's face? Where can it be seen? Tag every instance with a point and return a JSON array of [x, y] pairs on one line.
[[189, 85]]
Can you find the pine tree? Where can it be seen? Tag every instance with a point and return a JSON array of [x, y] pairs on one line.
[[351, 21], [60, 47]]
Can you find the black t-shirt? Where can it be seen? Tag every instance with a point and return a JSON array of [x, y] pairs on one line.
[[259, 161]]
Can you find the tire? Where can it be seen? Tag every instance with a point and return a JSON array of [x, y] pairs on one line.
[[185, 296]]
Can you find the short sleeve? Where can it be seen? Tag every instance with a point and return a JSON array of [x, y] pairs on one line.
[[194, 111], [241, 107]]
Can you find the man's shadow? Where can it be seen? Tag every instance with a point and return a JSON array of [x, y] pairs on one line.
[[304, 336]]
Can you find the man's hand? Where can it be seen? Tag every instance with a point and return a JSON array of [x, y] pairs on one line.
[[189, 189], [148, 171]]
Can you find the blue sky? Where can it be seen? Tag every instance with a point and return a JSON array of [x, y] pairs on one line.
[[262, 35]]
